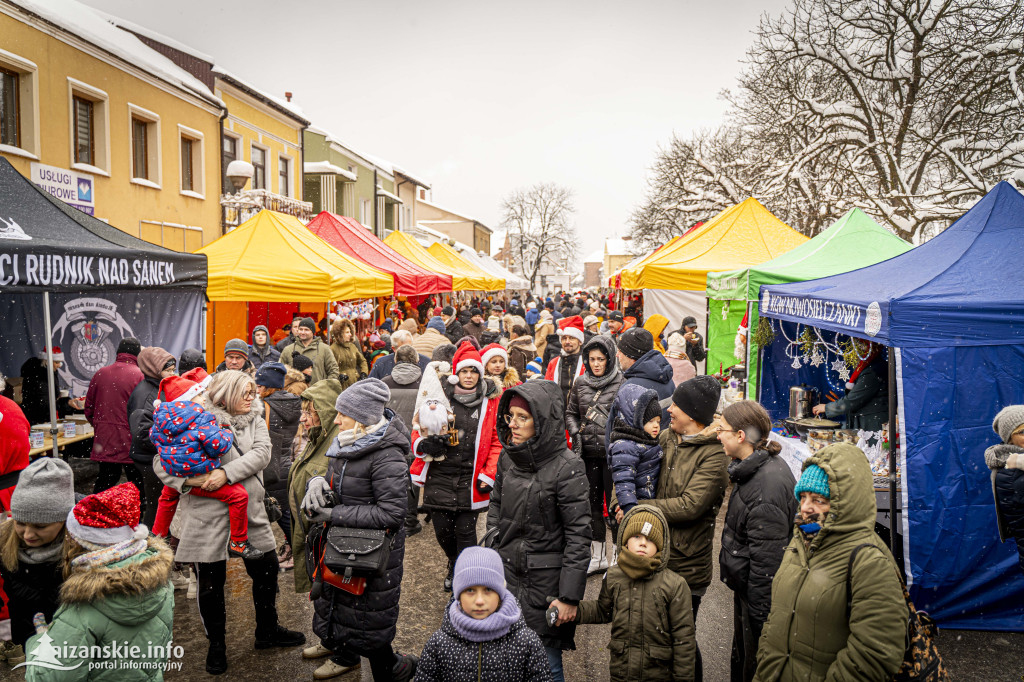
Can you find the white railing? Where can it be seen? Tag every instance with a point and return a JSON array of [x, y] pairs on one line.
[[237, 208]]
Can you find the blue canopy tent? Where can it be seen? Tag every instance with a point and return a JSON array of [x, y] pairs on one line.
[[952, 310]]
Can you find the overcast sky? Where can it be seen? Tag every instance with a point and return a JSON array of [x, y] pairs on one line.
[[479, 98]]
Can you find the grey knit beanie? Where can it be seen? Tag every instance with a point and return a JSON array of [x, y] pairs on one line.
[[1007, 421], [364, 401], [45, 492]]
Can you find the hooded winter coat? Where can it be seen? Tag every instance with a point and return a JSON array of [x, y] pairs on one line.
[[31, 588], [140, 403], [385, 365], [106, 408], [517, 656], [758, 526], [656, 324], [283, 412], [542, 330], [129, 602], [691, 488], [453, 330], [188, 439], [312, 462], [811, 635], [653, 371], [404, 383], [653, 637], [540, 507], [205, 529], [590, 392], [1008, 494], [521, 351], [371, 480], [633, 457], [324, 364], [349, 357], [260, 354]]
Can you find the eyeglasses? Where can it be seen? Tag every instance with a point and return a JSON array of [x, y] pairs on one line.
[[519, 421], [719, 429], [249, 395]]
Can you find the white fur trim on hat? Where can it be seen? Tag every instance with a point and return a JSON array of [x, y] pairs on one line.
[[467, 363], [99, 536], [493, 352], [573, 332]]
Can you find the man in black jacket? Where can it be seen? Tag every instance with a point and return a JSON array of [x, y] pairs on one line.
[[695, 349], [758, 526], [452, 327]]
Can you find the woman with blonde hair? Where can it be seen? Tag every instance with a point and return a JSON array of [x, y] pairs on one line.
[[351, 362], [232, 399]]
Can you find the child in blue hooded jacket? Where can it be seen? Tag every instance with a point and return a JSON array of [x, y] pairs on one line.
[[190, 443], [634, 455]]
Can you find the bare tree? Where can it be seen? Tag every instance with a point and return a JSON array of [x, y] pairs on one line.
[[540, 230]]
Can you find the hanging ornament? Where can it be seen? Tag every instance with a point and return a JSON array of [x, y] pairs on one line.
[[796, 363], [817, 358], [844, 373]]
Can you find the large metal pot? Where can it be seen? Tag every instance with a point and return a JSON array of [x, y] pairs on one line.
[[801, 400]]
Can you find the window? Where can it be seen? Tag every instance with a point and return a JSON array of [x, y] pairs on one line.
[[10, 110], [145, 149], [229, 153], [259, 167], [85, 143], [193, 179], [284, 181]]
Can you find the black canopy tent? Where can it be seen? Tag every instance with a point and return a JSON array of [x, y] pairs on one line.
[[47, 247]]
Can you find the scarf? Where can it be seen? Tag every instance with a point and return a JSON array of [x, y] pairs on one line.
[[349, 436], [490, 628], [102, 555], [41, 555], [808, 529], [638, 567], [470, 397]]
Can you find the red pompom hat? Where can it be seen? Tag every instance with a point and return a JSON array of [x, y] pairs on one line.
[[465, 357], [106, 518], [492, 350], [572, 326]]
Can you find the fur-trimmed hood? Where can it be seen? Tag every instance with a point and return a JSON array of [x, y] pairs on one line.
[[129, 592], [238, 422], [510, 378], [340, 325]]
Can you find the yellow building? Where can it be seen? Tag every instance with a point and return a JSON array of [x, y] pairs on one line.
[[111, 126]]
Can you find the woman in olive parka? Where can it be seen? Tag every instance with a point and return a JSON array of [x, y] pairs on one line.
[[811, 634]]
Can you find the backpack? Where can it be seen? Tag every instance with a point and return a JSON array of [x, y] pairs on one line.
[[921, 659]]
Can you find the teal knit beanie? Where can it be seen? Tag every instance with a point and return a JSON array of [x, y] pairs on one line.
[[813, 480]]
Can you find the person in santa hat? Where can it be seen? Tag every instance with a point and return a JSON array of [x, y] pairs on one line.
[[117, 591], [190, 443], [496, 367], [564, 369], [866, 403], [458, 486]]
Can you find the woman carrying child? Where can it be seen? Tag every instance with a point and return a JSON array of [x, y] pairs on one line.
[[483, 634]]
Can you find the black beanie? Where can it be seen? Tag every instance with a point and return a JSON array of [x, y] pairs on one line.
[[301, 362], [698, 398], [653, 410], [129, 345], [308, 323], [636, 341]]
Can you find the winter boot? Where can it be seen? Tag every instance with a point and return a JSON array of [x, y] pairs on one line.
[[217, 658], [331, 669], [280, 637], [448, 577], [404, 668], [316, 651], [598, 558], [285, 559], [244, 550]]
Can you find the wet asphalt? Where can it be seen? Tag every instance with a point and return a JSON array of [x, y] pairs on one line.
[[970, 656]]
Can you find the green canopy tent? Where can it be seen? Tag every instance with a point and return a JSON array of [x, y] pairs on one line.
[[852, 242]]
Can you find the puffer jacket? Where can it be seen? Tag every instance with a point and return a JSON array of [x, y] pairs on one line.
[[540, 507], [312, 462], [517, 656], [140, 420], [810, 634], [350, 359], [1008, 494], [283, 412], [31, 588], [371, 480], [188, 439], [653, 637], [633, 457], [691, 488], [758, 526], [866, 405], [589, 391], [260, 354], [205, 528], [129, 602], [653, 371]]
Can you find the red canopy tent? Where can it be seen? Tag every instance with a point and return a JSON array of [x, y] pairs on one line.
[[351, 238]]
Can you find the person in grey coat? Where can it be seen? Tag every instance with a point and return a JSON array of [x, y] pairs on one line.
[[205, 531], [539, 513], [404, 383]]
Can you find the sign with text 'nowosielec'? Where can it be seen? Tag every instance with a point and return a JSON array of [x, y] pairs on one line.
[[73, 188]]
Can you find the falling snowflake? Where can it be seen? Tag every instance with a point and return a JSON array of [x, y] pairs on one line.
[[817, 358]]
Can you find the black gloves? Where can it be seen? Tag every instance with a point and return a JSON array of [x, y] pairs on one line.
[[484, 488], [433, 445], [362, 375]]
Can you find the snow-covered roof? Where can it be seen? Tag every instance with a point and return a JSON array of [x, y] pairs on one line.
[[327, 168], [617, 247], [80, 20], [280, 102], [595, 257], [448, 210], [370, 160], [153, 35], [418, 181], [438, 236]]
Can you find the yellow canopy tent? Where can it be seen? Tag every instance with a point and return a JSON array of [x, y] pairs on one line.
[[273, 257], [451, 257], [674, 278], [411, 249]]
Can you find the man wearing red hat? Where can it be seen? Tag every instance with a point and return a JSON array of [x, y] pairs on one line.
[[564, 369]]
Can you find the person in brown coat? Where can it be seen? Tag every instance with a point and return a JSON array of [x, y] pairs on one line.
[[351, 362], [521, 348]]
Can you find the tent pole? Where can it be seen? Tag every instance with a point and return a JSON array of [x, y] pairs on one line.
[[707, 335], [330, 304], [51, 389], [746, 361], [893, 444]]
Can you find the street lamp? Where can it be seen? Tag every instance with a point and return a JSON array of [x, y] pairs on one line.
[[240, 172]]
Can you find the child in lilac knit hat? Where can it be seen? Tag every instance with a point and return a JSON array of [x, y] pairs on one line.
[[483, 634]]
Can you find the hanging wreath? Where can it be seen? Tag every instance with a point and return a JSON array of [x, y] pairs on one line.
[[765, 332]]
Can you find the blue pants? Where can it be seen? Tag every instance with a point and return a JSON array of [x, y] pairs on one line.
[[555, 663]]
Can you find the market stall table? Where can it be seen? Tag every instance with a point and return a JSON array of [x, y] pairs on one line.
[[61, 442]]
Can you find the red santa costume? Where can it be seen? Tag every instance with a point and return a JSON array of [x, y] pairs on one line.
[[573, 327]]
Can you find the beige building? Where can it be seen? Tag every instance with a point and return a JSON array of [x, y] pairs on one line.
[[617, 252], [457, 226]]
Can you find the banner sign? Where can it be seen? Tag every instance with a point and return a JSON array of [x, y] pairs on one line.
[[847, 317], [73, 188], [56, 270], [88, 328]]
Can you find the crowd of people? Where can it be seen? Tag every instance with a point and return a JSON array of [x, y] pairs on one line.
[[583, 433]]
